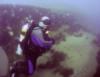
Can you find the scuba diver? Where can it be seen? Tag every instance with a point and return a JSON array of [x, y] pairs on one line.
[[22, 35], [35, 43]]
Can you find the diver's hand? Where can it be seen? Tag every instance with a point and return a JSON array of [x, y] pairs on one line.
[[53, 41]]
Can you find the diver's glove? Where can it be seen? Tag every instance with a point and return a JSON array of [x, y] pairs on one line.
[[53, 41]]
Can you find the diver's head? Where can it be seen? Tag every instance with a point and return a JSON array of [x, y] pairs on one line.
[[44, 22], [29, 19]]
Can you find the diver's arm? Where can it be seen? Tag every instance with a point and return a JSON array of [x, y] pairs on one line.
[[37, 37]]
